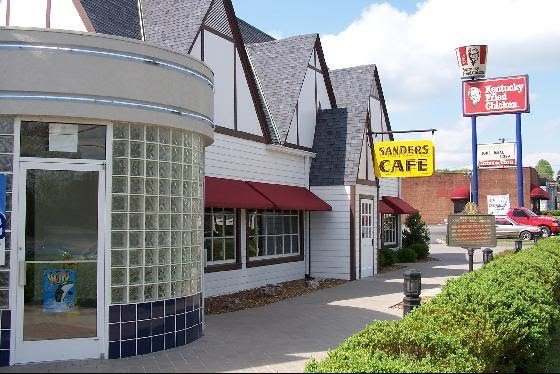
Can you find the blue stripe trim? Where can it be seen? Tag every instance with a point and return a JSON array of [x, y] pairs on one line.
[[109, 101], [127, 56]]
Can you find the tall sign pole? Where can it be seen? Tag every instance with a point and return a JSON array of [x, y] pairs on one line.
[[520, 199], [474, 161]]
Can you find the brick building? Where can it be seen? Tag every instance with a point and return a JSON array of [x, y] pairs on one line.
[[447, 192]]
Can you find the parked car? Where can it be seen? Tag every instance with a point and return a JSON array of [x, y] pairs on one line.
[[508, 228], [548, 225]]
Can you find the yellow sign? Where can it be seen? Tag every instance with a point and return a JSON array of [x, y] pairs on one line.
[[404, 159]]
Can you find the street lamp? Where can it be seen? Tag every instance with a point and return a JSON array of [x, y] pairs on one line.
[[487, 255], [412, 289], [518, 245]]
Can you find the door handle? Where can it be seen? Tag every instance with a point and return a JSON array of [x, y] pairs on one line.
[[22, 274]]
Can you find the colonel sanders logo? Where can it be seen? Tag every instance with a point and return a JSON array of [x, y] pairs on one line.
[[474, 95], [474, 55]]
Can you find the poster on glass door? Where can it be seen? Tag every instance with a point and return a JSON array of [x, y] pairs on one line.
[[59, 294], [498, 205]]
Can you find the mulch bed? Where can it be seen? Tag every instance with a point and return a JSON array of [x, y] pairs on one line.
[[423, 298], [255, 297]]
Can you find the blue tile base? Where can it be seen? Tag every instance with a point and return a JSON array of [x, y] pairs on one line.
[[137, 329], [5, 331]]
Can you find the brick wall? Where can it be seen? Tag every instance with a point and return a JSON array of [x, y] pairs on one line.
[[432, 195]]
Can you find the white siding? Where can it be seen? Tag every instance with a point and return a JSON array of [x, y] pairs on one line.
[[196, 50], [307, 110], [369, 191], [293, 133], [219, 55], [330, 234], [247, 120], [235, 158], [28, 13], [322, 96], [65, 16]]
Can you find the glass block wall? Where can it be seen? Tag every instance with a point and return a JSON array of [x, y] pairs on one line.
[[156, 228]]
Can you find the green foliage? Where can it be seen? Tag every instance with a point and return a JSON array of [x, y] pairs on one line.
[[415, 231], [387, 257], [422, 250], [406, 255], [505, 253], [544, 169], [555, 213], [498, 318]]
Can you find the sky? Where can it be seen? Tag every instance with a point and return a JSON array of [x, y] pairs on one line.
[[413, 45]]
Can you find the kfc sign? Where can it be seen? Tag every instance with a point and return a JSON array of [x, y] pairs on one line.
[[472, 61], [496, 96]]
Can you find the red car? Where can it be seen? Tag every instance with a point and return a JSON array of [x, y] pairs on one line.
[[548, 225]]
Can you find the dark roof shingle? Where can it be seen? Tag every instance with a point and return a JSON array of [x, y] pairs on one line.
[[338, 141], [250, 34], [114, 17]]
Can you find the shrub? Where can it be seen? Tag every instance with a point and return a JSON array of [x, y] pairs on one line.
[[422, 250], [498, 318], [406, 255], [387, 257], [415, 231], [555, 213]]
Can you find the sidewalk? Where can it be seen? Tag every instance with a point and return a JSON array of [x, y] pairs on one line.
[[281, 337]]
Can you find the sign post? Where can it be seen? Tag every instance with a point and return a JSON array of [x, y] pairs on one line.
[[474, 161], [520, 197], [471, 231]]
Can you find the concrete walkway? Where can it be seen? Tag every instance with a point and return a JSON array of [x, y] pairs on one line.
[[281, 337]]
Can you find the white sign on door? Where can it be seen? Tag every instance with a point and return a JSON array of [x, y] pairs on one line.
[[498, 205]]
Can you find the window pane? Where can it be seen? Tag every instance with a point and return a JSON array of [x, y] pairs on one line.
[[229, 221], [42, 139], [295, 244], [278, 224], [217, 249], [270, 251], [207, 225], [295, 224], [208, 249], [269, 217], [260, 224], [230, 249], [262, 246], [217, 227], [252, 246], [280, 245]]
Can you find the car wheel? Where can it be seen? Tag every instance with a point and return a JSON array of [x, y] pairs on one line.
[[525, 235], [545, 231]]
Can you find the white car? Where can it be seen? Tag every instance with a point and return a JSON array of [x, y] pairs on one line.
[[508, 228]]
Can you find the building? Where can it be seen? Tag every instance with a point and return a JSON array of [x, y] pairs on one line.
[[447, 192], [269, 181]]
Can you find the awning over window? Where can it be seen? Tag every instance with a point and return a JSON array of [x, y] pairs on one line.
[[290, 197], [385, 208], [399, 205], [539, 193], [460, 193], [229, 193]]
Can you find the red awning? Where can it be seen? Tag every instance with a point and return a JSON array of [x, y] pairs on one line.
[[399, 205], [385, 208], [460, 193], [539, 193], [290, 197], [229, 193]]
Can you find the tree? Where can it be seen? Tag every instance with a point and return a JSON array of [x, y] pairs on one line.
[[544, 169], [415, 231]]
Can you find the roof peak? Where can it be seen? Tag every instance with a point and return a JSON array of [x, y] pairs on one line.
[[288, 39]]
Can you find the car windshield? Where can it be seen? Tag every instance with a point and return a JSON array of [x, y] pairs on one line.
[[529, 213]]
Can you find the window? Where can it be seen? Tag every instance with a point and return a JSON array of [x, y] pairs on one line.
[[459, 206], [519, 213], [219, 236], [389, 229], [273, 233], [502, 221]]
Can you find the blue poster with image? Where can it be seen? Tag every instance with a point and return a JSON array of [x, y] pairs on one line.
[[59, 291]]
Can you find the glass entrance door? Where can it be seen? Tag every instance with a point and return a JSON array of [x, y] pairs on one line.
[[61, 277]]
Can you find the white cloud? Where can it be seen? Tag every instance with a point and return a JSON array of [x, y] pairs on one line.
[[415, 53], [531, 159]]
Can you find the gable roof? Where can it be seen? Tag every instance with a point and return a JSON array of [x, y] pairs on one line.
[[353, 87], [338, 142], [113, 17], [173, 24], [280, 67], [251, 34]]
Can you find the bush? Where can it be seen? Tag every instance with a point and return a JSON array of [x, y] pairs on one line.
[[422, 250], [555, 213], [415, 231], [498, 318], [387, 257], [406, 255]]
